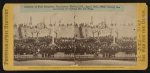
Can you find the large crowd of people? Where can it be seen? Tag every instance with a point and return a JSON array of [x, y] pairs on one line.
[[69, 46]]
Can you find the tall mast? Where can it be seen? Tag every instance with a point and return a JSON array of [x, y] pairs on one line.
[[50, 21], [91, 24], [44, 25], [114, 34], [74, 18], [30, 22], [91, 20], [44, 20], [53, 30], [59, 22]]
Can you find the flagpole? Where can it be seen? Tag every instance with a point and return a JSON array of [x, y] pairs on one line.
[[75, 41], [53, 31]]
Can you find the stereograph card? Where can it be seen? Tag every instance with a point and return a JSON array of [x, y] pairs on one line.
[[75, 36]]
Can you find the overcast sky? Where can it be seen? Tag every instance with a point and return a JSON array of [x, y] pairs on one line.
[[120, 17]]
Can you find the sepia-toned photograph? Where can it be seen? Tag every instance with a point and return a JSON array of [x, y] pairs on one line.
[[75, 35]]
